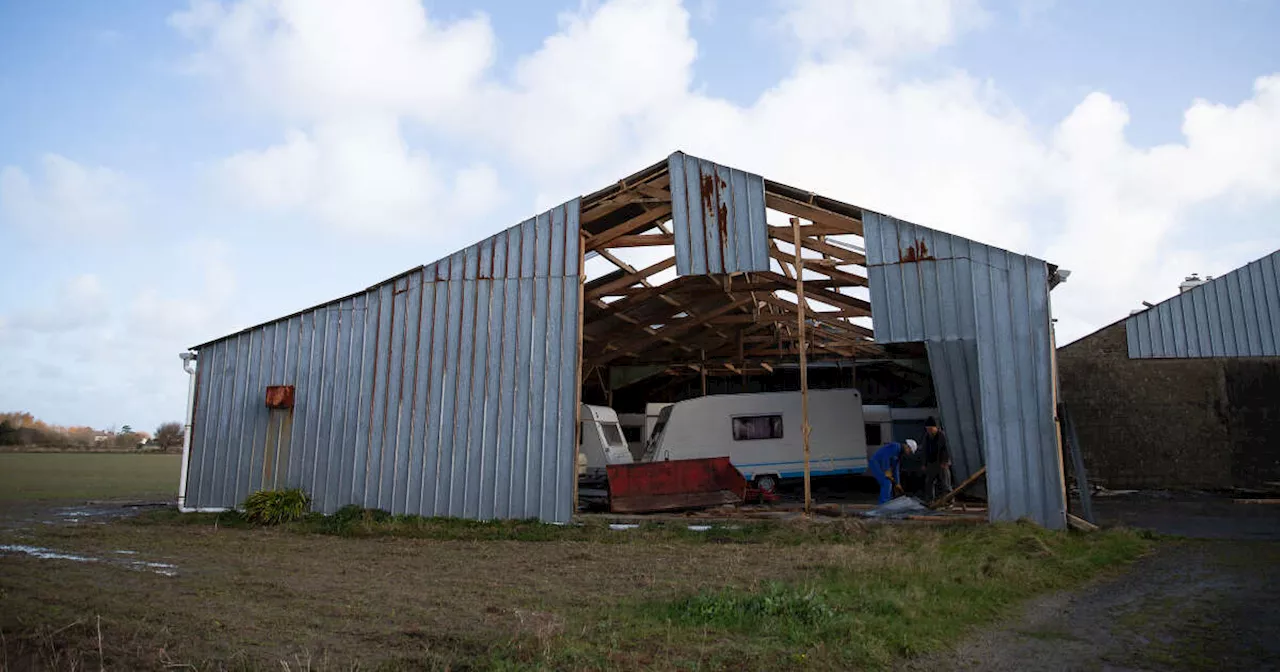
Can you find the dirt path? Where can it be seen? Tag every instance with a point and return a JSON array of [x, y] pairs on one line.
[[1204, 603]]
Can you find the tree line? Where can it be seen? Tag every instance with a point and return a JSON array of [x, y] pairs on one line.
[[19, 428]]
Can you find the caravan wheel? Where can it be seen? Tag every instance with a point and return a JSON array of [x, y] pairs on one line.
[[766, 484]]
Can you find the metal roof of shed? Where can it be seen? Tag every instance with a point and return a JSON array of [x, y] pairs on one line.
[[1233, 315]]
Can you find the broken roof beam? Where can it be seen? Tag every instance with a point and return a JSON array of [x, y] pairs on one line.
[[860, 307], [632, 345], [657, 190], [629, 279], [809, 243], [638, 224], [637, 298], [813, 213], [643, 240], [823, 316]]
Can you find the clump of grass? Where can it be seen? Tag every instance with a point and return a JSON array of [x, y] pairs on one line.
[[273, 507], [753, 609], [907, 592]]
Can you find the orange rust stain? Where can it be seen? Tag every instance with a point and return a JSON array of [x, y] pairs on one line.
[[917, 251]]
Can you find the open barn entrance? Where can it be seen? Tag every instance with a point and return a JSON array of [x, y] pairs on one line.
[[673, 315]]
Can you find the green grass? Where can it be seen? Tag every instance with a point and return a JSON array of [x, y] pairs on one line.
[[920, 594], [35, 476], [353, 521], [875, 595]]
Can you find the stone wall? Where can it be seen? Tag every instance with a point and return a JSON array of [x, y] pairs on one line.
[[1171, 423]]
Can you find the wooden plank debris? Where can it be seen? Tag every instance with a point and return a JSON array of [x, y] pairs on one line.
[[946, 499]]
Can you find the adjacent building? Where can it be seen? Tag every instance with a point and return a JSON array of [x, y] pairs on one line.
[[1184, 394]]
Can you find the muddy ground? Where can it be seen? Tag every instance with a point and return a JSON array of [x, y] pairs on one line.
[[1203, 601], [1208, 600]]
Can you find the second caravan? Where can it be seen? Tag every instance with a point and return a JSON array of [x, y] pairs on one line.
[[761, 433]]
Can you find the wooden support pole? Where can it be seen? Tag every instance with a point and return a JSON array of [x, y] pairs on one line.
[[578, 379], [804, 364], [703, 370]]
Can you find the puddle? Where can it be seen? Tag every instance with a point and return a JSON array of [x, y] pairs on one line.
[[699, 528], [161, 568], [43, 553], [621, 526]]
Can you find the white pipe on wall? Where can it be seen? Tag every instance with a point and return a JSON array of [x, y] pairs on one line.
[[188, 365]]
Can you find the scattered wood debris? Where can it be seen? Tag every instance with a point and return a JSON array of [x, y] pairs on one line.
[[1078, 523]]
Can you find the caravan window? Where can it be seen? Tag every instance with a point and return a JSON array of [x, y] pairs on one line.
[[612, 435], [752, 427]]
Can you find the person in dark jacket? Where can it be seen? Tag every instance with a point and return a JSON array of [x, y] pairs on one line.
[[937, 462]]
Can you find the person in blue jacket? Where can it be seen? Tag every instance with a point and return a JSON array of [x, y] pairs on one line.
[[886, 463]]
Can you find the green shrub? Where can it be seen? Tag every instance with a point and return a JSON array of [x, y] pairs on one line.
[[272, 507]]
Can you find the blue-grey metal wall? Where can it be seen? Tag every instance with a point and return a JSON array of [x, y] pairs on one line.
[[448, 390], [984, 315], [718, 217], [1235, 315]]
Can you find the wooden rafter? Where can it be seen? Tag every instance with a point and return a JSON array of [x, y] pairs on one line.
[[822, 316], [643, 240], [630, 346], [813, 214], [638, 224], [630, 279], [831, 298], [810, 243]]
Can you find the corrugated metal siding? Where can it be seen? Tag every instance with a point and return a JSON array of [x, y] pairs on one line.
[[954, 365], [718, 218], [1235, 315], [984, 315], [446, 391]]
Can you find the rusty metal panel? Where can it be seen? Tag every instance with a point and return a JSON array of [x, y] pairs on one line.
[[279, 396], [718, 216], [447, 390], [671, 485], [1234, 315], [984, 315]]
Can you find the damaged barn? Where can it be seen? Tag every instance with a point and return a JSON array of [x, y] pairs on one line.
[[456, 388]]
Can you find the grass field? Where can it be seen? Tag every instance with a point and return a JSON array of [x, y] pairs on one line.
[[412, 593], [39, 476]]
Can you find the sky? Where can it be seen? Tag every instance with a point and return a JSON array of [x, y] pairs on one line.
[[172, 172]]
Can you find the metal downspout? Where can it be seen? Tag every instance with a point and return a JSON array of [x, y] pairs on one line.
[[188, 365]]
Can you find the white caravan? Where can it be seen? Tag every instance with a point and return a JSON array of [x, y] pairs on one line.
[[638, 427], [601, 442], [651, 413], [760, 433]]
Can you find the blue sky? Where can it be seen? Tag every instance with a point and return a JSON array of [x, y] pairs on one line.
[[170, 172]]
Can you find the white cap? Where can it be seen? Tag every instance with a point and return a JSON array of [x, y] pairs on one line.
[[911, 443]]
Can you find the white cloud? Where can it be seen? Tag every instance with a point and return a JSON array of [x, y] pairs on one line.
[[880, 28], [68, 198], [584, 96], [1121, 204], [102, 355], [78, 303], [350, 76], [613, 88], [360, 176]]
